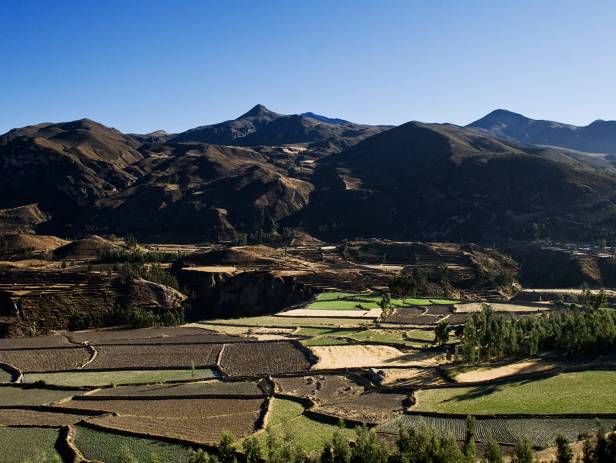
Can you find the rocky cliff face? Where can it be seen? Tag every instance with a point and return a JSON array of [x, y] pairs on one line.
[[46, 300], [245, 294]]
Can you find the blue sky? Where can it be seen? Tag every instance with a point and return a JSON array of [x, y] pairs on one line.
[[145, 65]]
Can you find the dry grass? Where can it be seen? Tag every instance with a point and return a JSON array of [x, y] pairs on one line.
[[518, 368], [361, 356]]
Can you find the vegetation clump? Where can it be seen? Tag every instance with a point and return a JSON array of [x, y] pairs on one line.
[[487, 335]]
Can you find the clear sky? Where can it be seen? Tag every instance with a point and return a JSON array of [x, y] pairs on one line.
[[154, 64]]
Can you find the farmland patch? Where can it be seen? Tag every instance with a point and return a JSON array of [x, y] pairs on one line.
[[41, 442], [240, 388], [361, 356], [540, 432], [39, 360], [27, 396], [118, 377], [109, 447], [155, 356], [286, 416], [263, 358], [579, 392]]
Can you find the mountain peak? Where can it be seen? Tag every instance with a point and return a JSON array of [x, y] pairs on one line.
[[501, 115], [258, 110]]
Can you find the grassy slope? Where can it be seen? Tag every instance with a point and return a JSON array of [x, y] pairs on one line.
[[27, 444], [312, 435], [108, 447], [105, 378], [581, 392]]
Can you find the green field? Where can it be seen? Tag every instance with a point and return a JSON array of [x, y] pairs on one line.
[[311, 435], [333, 295], [580, 392], [106, 378], [28, 445], [344, 304], [116, 448]]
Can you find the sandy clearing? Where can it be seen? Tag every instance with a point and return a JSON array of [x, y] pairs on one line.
[[331, 313], [497, 307], [410, 377], [211, 269], [361, 356], [488, 374]]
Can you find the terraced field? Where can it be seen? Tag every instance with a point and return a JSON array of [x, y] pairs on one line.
[[287, 415], [200, 388], [122, 357], [263, 358], [112, 448], [580, 392], [118, 377], [540, 432], [40, 444], [129, 390], [40, 360], [29, 396]]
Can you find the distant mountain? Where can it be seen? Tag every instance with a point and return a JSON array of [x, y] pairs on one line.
[[444, 182], [202, 191], [329, 120], [64, 167], [598, 137], [262, 127]]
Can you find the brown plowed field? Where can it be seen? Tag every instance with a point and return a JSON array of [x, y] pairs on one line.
[[372, 407], [20, 417], [39, 360], [321, 389], [263, 358], [412, 317], [198, 431], [116, 336], [195, 408], [201, 388], [117, 357], [37, 342]]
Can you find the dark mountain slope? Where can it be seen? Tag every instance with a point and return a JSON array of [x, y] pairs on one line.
[[431, 181], [329, 120], [203, 190], [260, 126], [65, 166], [598, 137]]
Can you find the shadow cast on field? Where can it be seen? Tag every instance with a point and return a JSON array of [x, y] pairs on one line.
[[487, 390]]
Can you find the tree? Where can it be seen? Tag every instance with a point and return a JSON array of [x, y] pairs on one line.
[[341, 448], [563, 450], [369, 448], [493, 453], [253, 453], [199, 456], [441, 333], [470, 450], [226, 449], [523, 452]]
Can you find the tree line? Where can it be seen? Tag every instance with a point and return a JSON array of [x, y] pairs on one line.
[[412, 445], [573, 331]]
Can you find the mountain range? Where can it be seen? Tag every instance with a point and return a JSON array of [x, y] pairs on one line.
[[597, 137], [503, 177]]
